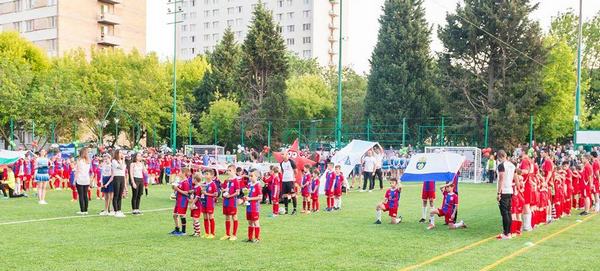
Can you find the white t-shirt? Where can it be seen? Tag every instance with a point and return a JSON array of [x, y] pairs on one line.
[[288, 171], [83, 172], [378, 161], [118, 169], [369, 164], [509, 173], [138, 170], [106, 169]]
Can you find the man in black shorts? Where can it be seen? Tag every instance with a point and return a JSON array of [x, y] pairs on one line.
[[288, 169]]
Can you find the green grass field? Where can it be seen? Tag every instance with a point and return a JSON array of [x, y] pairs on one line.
[[344, 240]]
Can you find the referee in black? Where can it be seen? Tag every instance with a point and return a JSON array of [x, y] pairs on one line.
[[288, 169]]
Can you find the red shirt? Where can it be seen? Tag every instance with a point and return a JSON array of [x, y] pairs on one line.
[[254, 190], [596, 168], [587, 173], [547, 167], [231, 186], [526, 165], [208, 202]]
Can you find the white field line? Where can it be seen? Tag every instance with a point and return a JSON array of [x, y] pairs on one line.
[[70, 217]]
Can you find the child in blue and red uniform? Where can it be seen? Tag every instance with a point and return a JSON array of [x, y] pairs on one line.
[[231, 189], [275, 190], [390, 203], [182, 191], [209, 193], [337, 188], [305, 189], [314, 190], [329, 178], [196, 204], [448, 210], [427, 195], [253, 207]]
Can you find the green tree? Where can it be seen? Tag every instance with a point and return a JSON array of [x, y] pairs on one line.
[[300, 66], [554, 119], [492, 65], [309, 97], [220, 121], [400, 84], [264, 70], [223, 76]]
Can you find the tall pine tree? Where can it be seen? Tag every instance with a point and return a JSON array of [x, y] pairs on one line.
[[223, 77], [401, 79], [491, 66], [263, 70]]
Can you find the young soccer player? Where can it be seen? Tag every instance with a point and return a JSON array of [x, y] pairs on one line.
[[329, 179], [305, 190], [275, 190], [517, 203], [390, 203], [337, 188], [314, 190], [448, 210], [107, 187], [209, 193], [182, 190], [231, 190], [196, 205], [586, 183], [428, 196], [253, 207]]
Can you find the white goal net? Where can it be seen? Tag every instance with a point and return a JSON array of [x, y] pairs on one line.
[[471, 171]]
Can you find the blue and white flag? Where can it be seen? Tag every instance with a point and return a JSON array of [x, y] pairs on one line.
[[441, 166]]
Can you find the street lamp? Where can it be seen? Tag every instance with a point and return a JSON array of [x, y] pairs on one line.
[[176, 9], [338, 132], [101, 124], [116, 130]]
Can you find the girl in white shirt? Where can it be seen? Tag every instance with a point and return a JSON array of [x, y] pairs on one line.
[[137, 169], [82, 180]]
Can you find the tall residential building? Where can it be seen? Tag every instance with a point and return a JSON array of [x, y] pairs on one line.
[[58, 26], [310, 28]]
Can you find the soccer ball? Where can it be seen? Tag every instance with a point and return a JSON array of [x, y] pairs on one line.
[[281, 210], [399, 219], [225, 194]]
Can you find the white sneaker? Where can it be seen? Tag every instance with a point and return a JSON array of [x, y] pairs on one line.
[[111, 213], [85, 213], [370, 191], [43, 202], [362, 190], [80, 213], [119, 214], [103, 213]]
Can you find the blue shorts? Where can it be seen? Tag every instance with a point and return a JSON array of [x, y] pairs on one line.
[[109, 188], [40, 177]]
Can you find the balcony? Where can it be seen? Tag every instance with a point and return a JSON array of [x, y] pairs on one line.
[[113, 2], [109, 18], [108, 40], [332, 52], [333, 13], [332, 39], [333, 26]]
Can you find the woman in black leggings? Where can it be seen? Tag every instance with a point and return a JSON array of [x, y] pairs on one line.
[[83, 180], [118, 181], [137, 169]]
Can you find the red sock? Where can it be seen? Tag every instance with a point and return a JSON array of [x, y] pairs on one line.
[[250, 231], [235, 227], [73, 192], [89, 194], [257, 232], [212, 226], [303, 205], [316, 202], [97, 192], [227, 225], [206, 226], [519, 225], [275, 208]]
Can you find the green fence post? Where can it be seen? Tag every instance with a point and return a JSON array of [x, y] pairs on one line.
[[530, 130], [215, 133], [368, 129], [269, 136], [242, 133], [138, 134], [190, 135], [299, 130], [53, 139], [442, 135], [403, 132], [154, 136], [485, 135], [12, 133]]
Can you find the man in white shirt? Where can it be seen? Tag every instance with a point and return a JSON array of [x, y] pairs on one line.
[[378, 164], [288, 169], [506, 173], [368, 167]]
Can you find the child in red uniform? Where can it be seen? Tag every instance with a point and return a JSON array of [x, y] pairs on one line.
[[182, 191], [196, 204], [305, 189], [517, 202], [337, 188], [448, 210], [596, 182], [390, 203], [526, 168], [267, 180], [275, 190], [253, 207], [209, 193], [567, 204], [314, 190], [231, 190], [586, 183]]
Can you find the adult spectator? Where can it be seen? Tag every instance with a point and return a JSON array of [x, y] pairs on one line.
[[41, 176], [8, 184], [378, 165], [368, 167], [136, 177], [506, 173], [491, 169], [205, 159], [82, 180], [288, 169], [118, 181]]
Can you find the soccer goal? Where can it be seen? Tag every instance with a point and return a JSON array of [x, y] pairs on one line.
[[471, 169]]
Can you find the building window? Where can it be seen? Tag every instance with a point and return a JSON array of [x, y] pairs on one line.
[[192, 27], [206, 37], [290, 15], [307, 2], [215, 1], [306, 27], [183, 16], [230, 10], [206, 25], [215, 12], [193, 50], [206, 48], [28, 25], [230, 23], [306, 13], [279, 16], [206, 2], [215, 36], [17, 27], [290, 28], [207, 13], [238, 34], [307, 53], [280, 29], [193, 3], [193, 38], [193, 15], [280, 3], [290, 41], [215, 24], [184, 27], [238, 21], [290, 3], [239, 8], [184, 39], [306, 40]]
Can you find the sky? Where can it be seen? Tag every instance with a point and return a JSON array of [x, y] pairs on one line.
[[159, 37]]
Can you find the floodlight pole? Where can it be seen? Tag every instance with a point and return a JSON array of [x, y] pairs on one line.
[[578, 89]]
